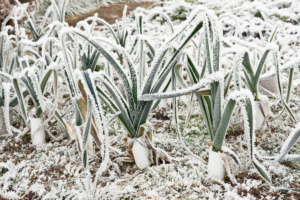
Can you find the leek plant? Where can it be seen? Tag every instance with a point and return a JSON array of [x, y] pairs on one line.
[[215, 110], [29, 81], [133, 112], [253, 80]]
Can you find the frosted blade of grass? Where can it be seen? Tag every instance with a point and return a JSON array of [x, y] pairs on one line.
[[227, 82], [248, 82], [14, 101], [113, 117], [63, 10]]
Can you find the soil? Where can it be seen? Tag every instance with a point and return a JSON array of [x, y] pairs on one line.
[[110, 13]]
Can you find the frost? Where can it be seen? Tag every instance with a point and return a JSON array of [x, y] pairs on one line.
[[214, 77], [289, 143], [6, 88]]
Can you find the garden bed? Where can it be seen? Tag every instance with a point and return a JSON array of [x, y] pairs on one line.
[[97, 94]]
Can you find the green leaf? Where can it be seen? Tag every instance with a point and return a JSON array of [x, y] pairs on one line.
[[45, 80], [247, 65], [205, 108], [258, 72], [87, 129], [20, 98], [223, 125], [248, 83], [227, 82]]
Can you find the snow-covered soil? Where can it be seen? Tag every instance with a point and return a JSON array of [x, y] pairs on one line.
[[55, 170]]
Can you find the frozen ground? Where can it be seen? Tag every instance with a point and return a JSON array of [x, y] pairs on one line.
[[55, 171]]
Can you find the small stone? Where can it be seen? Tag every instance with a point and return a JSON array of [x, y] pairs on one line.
[[16, 145]]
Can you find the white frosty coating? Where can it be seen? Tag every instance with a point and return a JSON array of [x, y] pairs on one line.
[[37, 88], [285, 67], [124, 21], [289, 143], [153, 13], [238, 96], [9, 195], [244, 43], [86, 26], [46, 16], [214, 77], [228, 51], [237, 22], [5, 75], [67, 66], [6, 87], [7, 18], [24, 71], [193, 16], [237, 67]]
